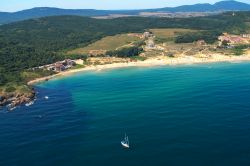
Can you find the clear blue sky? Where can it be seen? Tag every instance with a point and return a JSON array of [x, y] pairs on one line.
[[15, 5]]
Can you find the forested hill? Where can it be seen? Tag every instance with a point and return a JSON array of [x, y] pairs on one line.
[[41, 41], [6, 17]]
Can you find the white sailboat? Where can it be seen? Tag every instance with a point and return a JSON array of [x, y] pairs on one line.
[[125, 142]]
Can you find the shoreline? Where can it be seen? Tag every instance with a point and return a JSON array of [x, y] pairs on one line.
[[158, 61]]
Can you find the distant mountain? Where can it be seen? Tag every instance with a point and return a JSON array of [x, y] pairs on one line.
[[206, 7], [232, 5], [6, 17]]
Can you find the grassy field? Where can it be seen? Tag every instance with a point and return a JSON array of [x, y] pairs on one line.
[[170, 32], [107, 44]]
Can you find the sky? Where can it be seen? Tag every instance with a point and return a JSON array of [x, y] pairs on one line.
[[16, 5]]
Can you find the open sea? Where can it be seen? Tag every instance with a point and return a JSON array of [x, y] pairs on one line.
[[189, 115]]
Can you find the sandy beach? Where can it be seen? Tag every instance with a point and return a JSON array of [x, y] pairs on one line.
[[160, 60]]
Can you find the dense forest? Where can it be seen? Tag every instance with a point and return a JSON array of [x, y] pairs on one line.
[[41, 41]]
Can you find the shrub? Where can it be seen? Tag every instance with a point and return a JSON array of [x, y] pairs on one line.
[[10, 89], [126, 52]]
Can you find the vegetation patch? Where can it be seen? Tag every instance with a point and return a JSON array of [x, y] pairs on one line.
[[126, 52], [208, 36], [170, 33], [33, 74], [165, 35], [240, 49], [78, 66], [10, 88], [138, 58]]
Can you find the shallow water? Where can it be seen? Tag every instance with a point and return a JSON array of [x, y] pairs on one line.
[[173, 115]]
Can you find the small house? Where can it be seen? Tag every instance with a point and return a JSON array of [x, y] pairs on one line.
[[232, 39], [59, 67], [69, 62], [246, 36]]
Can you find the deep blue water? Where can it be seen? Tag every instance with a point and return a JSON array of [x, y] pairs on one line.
[[193, 115]]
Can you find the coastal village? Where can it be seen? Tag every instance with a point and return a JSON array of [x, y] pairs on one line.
[[229, 39], [225, 47], [224, 41], [59, 66], [233, 40]]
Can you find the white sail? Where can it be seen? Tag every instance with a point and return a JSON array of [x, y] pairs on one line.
[[125, 142]]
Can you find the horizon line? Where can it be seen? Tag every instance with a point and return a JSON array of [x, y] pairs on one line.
[[56, 7]]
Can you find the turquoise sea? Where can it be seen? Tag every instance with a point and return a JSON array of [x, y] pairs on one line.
[[189, 115]]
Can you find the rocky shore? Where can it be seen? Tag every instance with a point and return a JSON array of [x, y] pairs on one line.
[[14, 99]]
